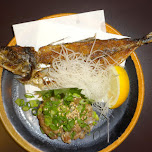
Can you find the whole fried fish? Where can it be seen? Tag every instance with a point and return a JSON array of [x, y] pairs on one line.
[[24, 61]]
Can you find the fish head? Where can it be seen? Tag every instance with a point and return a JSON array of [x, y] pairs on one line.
[[19, 60]]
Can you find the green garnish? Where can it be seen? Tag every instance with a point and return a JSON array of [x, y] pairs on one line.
[[62, 109], [39, 111], [95, 116], [34, 103], [20, 102], [28, 105], [35, 111], [73, 134], [45, 94], [82, 101], [65, 128], [59, 93], [94, 123], [82, 124], [29, 95], [76, 95], [53, 126], [70, 124], [47, 120], [83, 108], [25, 108]]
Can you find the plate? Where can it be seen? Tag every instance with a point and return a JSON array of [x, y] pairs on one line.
[[24, 128]]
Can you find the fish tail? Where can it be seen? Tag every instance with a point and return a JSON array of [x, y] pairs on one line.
[[149, 37], [146, 40]]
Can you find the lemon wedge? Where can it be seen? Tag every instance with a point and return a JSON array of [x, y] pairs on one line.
[[119, 87]]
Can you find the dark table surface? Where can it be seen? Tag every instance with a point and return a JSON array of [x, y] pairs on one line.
[[130, 17]]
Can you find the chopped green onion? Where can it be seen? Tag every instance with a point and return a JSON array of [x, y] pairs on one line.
[[73, 134], [19, 102], [53, 127], [67, 103], [71, 123], [76, 95], [63, 118], [46, 110], [47, 121], [34, 103], [65, 128], [55, 120], [75, 90], [95, 116], [94, 123], [79, 107], [39, 111], [85, 118], [82, 101], [29, 95], [76, 118], [60, 91], [35, 111], [47, 103], [81, 123], [89, 101], [69, 98], [83, 108], [45, 94], [68, 127], [58, 96], [56, 103], [53, 112], [25, 108]]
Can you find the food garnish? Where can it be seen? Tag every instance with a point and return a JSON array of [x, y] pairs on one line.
[[119, 87], [64, 113]]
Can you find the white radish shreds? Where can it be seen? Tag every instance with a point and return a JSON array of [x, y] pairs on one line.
[[73, 70]]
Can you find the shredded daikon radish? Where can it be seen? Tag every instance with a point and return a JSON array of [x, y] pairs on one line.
[[73, 70]]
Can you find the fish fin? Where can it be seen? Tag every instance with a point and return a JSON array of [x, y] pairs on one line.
[[147, 39], [149, 35]]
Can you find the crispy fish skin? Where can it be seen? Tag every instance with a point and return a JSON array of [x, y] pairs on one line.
[[18, 60], [114, 50], [24, 60], [117, 49]]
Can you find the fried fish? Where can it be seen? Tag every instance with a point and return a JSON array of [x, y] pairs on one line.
[[24, 61]]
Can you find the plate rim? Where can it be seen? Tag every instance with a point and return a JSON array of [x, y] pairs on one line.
[[141, 91]]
